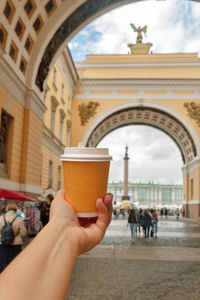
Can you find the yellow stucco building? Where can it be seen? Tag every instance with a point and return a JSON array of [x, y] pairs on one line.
[[47, 101]]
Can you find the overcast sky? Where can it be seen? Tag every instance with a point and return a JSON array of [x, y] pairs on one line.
[[172, 27]]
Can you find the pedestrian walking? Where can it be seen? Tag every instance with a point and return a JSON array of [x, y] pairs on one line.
[[133, 221], [154, 223], [161, 212], [177, 213], [147, 222], [166, 212], [139, 215], [11, 238]]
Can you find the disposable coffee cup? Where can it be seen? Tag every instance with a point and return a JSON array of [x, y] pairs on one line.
[[85, 173]]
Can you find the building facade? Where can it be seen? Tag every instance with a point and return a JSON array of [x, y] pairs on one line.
[[57, 122], [151, 195], [105, 91]]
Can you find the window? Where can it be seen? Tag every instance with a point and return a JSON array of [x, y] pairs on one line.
[[13, 51], [50, 174], [3, 36], [23, 65], [5, 142], [9, 10], [59, 177], [61, 130], [69, 105], [191, 188], [30, 7], [28, 44], [38, 24], [63, 93], [68, 132], [62, 117], [19, 28], [50, 7], [54, 104], [54, 79]]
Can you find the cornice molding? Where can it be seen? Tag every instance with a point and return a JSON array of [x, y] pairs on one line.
[[191, 167], [47, 142], [141, 94], [21, 187], [191, 202], [136, 65], [35, 104], [118, 84], [71, 66]]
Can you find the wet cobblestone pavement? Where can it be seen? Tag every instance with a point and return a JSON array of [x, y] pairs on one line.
[[168, 267]]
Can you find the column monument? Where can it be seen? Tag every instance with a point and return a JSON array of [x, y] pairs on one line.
[[126, 158]]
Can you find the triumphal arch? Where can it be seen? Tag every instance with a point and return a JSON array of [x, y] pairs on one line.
[[106, 92]]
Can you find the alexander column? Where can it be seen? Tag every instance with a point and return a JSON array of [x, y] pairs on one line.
[[126, 158]]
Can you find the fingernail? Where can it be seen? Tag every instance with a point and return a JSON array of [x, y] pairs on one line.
[[108, 196]]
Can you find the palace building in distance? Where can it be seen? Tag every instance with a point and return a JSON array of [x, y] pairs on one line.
[[150, 195]]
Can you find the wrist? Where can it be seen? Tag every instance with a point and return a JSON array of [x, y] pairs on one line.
[[64, 234]]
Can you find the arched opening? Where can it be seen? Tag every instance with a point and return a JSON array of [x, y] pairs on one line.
[[152, 114], [161, 117], [154, 166]]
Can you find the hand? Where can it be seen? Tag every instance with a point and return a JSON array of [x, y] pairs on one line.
[[88, 236]]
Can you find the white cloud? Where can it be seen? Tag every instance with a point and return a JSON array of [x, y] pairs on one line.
[[153, 155], [172, 26]]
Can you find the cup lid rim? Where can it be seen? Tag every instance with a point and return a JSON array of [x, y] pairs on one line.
[[85, 153]]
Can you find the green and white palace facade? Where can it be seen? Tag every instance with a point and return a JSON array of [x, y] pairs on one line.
[[151, 195]]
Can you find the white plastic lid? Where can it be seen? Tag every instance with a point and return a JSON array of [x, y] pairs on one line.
[[85, 154]]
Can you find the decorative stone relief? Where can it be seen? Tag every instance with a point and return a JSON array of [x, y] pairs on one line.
[[193, 110], [87, 111], [82, 13]]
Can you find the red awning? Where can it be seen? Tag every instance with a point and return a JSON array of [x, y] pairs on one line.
[[16, 196]]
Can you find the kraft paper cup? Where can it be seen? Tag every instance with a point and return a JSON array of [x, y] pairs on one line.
[[85, 173]]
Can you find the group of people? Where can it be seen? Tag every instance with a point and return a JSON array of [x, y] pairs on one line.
[[143, 220], [14, 215]]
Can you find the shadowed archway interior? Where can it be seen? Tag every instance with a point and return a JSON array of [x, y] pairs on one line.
[[152, 117]]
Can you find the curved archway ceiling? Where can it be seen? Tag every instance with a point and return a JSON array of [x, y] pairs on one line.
[[22, 23], [81, 14], [147, 116]]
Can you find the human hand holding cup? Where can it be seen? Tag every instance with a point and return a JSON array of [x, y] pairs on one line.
[[85, 172]]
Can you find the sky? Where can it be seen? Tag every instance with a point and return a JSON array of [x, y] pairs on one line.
[[172, 27]]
